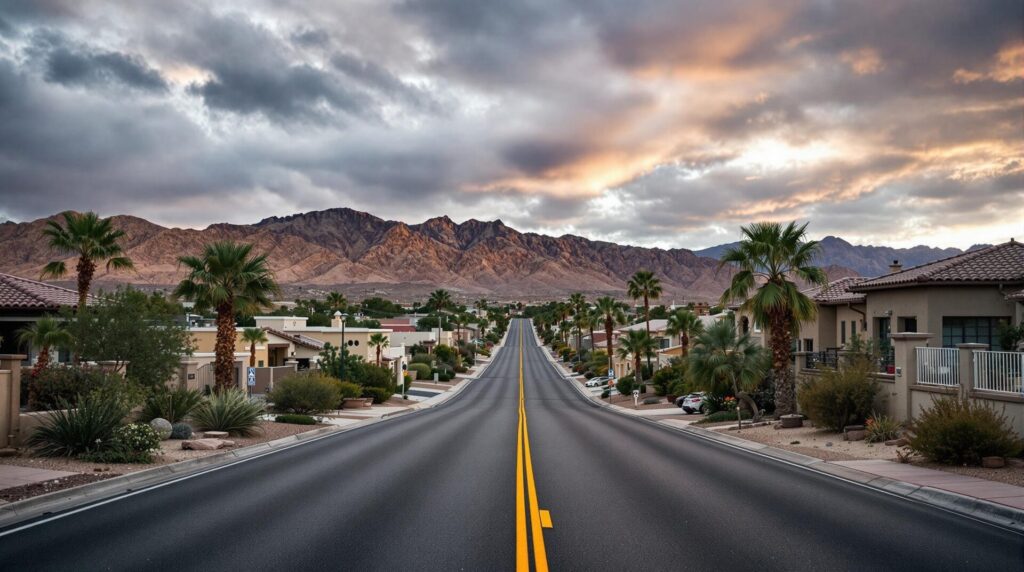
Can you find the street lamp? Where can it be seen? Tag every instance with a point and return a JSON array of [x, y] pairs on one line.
[[341, 370]]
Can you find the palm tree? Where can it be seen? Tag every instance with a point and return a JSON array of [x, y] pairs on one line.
[[645, 285], [683, 323], [44, 334], [253, 336], [440, 300], [93, 240], [228, 278], [336, 301], [611, 313], [636, 344], [720, 358], [379, 341], [578, 305], [766, 259], [481, 304]]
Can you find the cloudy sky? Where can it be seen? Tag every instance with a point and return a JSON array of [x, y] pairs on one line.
[[655, 123]]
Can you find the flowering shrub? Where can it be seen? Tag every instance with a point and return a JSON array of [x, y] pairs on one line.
[[134, 443], [881, 428]]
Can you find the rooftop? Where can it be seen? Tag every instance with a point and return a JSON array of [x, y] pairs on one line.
[[999, 264], [17, 293], [837, 292]]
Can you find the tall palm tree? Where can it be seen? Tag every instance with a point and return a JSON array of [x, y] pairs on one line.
[[44, 334], [481, 304], [593, 319], [683, 323], [440, 300], [228, 278], [253, 336], [379, 341], [610, 312], [336, 301], [645, 285], [766, 261], [721, 358], [93, 240], [636, 344], [578, 305]]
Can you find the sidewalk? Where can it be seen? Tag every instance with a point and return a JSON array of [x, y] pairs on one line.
[[992, 491]]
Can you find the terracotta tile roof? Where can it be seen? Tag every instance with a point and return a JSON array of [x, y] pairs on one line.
[[17, 293], [298, 339], [837, 292], [1002, 263]]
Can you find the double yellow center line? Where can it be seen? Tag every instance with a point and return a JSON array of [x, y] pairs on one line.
[[539, 519]]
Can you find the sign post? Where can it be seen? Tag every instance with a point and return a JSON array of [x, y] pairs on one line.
[[250, 380]]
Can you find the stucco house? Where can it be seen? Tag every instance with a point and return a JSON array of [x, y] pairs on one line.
[[23, 301]]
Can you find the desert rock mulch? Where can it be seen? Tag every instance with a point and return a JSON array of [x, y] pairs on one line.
[[41, 488]]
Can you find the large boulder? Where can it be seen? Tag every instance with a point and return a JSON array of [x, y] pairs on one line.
[[205, 444], [162, 427]]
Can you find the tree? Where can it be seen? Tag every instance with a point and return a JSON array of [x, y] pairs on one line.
[[93, 240], [721, 359], [227, 277], [766, 260], [636, 344], [610, 312], [440, 300], [141, 336], [336, 302], [578, 305], [43, 334], [644, 285], [683, 323], [253, 336], [379, 341]]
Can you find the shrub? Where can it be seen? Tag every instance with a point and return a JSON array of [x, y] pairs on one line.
[[181, 431], [724, 415], [625, 384], [956, 432], [422, 358], [86, 428], [370, 375], [229, 411], [606, 393], [379, 394], [307, 392], [172, 405], [838, 397], [295, 419], [664, 379], [881, 428], [54, 385], [137, 438], [422, 370], [349, 389]]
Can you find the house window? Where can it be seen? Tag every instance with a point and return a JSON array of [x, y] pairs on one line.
[[908, 324], [842, 333], [853, 328], [884, 328], [967, 330], [259, 363], [808, 345]]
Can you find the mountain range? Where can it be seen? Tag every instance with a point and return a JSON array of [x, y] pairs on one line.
[[359, 253]]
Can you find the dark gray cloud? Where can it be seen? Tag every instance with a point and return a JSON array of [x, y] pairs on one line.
[[69, 67]]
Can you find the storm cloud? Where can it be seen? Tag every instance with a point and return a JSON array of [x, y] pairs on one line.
[[649, 122]]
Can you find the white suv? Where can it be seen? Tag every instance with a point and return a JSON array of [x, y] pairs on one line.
[[597, 381]]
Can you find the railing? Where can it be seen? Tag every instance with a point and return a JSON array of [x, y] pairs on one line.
[[938, 366], [998, 371], [828, 358]]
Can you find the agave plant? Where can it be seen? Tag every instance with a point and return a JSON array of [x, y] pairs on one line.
[[229, 411], [87, 428], [172, 405]]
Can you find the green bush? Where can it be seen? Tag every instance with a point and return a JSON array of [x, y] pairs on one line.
[[422, 358], [665, 379], [370, 375], [838, 397], [86, 428], [350, 390], [422, 370], [881, 428], [181, 431], [133, 443], [295, 419], [172, 405], [229, 411], [957, 432], [306, 392], [625, 384], [57, 384], [719, 416], [379, 394]]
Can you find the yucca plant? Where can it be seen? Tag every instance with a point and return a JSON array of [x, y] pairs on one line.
[[87, 428], [172, 405], [230, 411]]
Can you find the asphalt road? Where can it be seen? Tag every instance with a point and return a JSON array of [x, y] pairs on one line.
[[437, 490]]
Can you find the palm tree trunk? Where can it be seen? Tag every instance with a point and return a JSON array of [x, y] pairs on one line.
[[608, 341], [224, 364], [252, 354], [647, 317], [85, 270], [684, 343], [378, 356], [785, 388], [42, 361]]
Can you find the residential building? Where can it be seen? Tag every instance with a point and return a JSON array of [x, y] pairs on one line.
[[24, 301]]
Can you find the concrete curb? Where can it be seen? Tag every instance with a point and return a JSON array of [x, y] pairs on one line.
[[58, 501], [991, 513]]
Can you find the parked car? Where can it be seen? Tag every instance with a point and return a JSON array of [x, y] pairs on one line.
[[692, 403], [597, 381]]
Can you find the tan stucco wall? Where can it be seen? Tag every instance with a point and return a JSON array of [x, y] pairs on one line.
[[930, 304]]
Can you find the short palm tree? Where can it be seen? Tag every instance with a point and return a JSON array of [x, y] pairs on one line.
[[336, 301], [253, 336], [685, 324], [636, 344], [646, 286], [766, 261], [610, 313], [227, 277], [379, 341], [42, 335], [93, 240], [720, 359]]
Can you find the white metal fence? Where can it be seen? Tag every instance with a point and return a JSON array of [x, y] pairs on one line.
[[938, 366], [998, 371]]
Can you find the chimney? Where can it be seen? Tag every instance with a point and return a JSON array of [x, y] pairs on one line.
[[895, 267]]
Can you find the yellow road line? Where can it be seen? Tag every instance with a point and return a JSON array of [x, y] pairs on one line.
[[538, 519]]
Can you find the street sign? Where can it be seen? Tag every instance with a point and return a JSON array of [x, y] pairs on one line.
[[252, 377], [611, 372]]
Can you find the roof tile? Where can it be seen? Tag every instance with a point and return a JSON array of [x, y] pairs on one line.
[[995, 264], [17, 293]]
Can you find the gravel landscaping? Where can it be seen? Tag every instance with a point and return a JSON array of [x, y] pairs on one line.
[[23, 492]]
